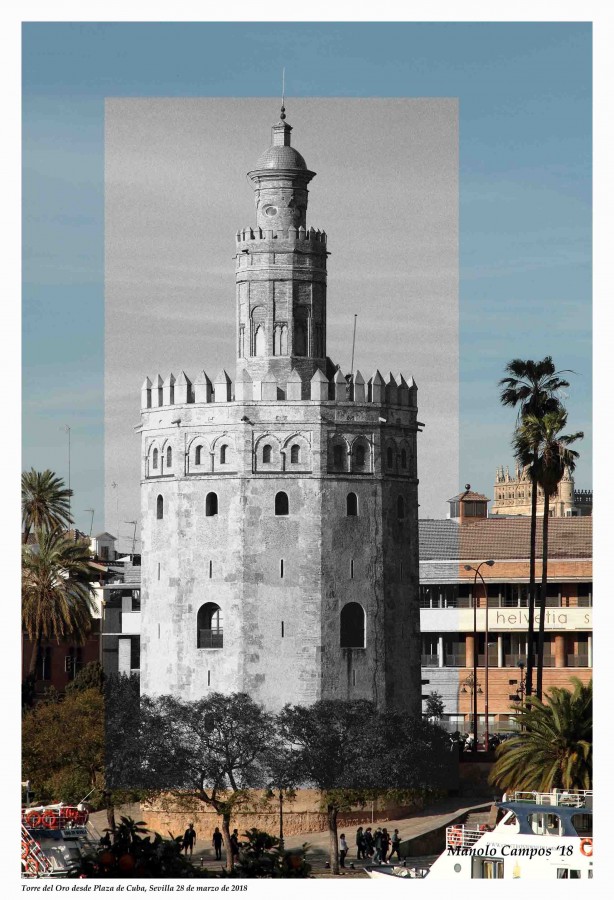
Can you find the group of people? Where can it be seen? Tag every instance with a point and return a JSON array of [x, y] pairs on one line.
[[189, 839], [377, 846]]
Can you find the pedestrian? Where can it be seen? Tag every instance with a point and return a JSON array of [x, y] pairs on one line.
[[234, 845], [217, 842], [343, 850], [360, 845], [377, 843], [385, 844], [189, 838], [396, 845], [368, 839]]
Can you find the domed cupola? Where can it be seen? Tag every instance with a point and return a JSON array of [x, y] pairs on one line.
[[281, 180]]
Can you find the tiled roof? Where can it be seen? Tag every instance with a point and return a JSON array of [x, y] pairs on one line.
[[469, 495], [504, 538]]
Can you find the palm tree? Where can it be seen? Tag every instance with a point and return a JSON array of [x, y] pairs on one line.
[[540, 445], [57, 595], [555, 749], [533, 388], [45, 502]]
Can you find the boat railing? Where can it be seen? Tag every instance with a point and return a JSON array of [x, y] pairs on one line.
[[463, 835], [35, 861], [576, 799]]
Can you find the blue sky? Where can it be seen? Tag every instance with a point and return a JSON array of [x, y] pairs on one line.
[[524, 94]]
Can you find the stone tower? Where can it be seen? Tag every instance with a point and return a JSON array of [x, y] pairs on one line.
[[280, 515]]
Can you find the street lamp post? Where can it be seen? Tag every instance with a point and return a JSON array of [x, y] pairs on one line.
[[486, 562]]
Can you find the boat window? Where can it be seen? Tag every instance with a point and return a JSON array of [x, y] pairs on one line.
[[583, 824], [487, 868], [568, 873], [512, 820], [544, 823]]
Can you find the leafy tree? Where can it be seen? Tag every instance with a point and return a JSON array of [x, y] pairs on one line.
[[554, 750], [214, 750], [45, 502], [354, 754], [57, 595], [540, 445], [434, 705], [63, 747], [533, 387], [90, 676]]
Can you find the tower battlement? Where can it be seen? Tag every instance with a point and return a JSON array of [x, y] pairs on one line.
[[299, 235], [171, 391]]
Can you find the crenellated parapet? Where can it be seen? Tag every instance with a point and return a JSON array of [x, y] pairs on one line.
[[273, 388], [301, 236]]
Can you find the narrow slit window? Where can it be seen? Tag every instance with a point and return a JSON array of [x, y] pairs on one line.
[[282, 629], [360, 457], [158, 571], [400, 508], [211, 504], [169, 458], [154, 460], [223, 450], [208, 677], [351, 568], [295, 453], [210, 568], [266, 453], [403, 459], [197, 455], [160, 507], [281, 568], [389, 457], [338, 456]]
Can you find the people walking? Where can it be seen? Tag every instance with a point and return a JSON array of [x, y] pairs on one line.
[[360, 844], [396, 845], [368, 839], [234, 845], [217, 842], [385, 844], [377, 843], [188, 839], [343, 850]]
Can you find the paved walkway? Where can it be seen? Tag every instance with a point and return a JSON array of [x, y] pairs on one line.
[[434, 816]]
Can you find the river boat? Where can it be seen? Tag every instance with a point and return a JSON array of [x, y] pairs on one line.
[[54, 838], [539, 836]]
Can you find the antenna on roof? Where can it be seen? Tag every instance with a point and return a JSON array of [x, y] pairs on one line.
[[283, 94]]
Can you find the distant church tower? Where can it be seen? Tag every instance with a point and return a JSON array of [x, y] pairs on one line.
[[280, 516]]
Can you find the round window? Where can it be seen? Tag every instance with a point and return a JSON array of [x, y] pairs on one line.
[[270, 211]]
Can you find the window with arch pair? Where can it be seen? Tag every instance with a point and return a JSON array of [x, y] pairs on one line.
[[169, 458], [198, 455]]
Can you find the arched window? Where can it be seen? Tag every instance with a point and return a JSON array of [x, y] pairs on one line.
[[400, 508], [281, 504], [295, 453], [160, 507], [389, 457], [260, 341], [223, 450], [352, 505], [403, 459], [210, 634], [338, 455], [169, 457], [360, 456], [197, 454], [266, 453], [352, 626], [211, 504], [154, 461]]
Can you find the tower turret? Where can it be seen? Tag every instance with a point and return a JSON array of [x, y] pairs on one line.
[[281, 270]]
